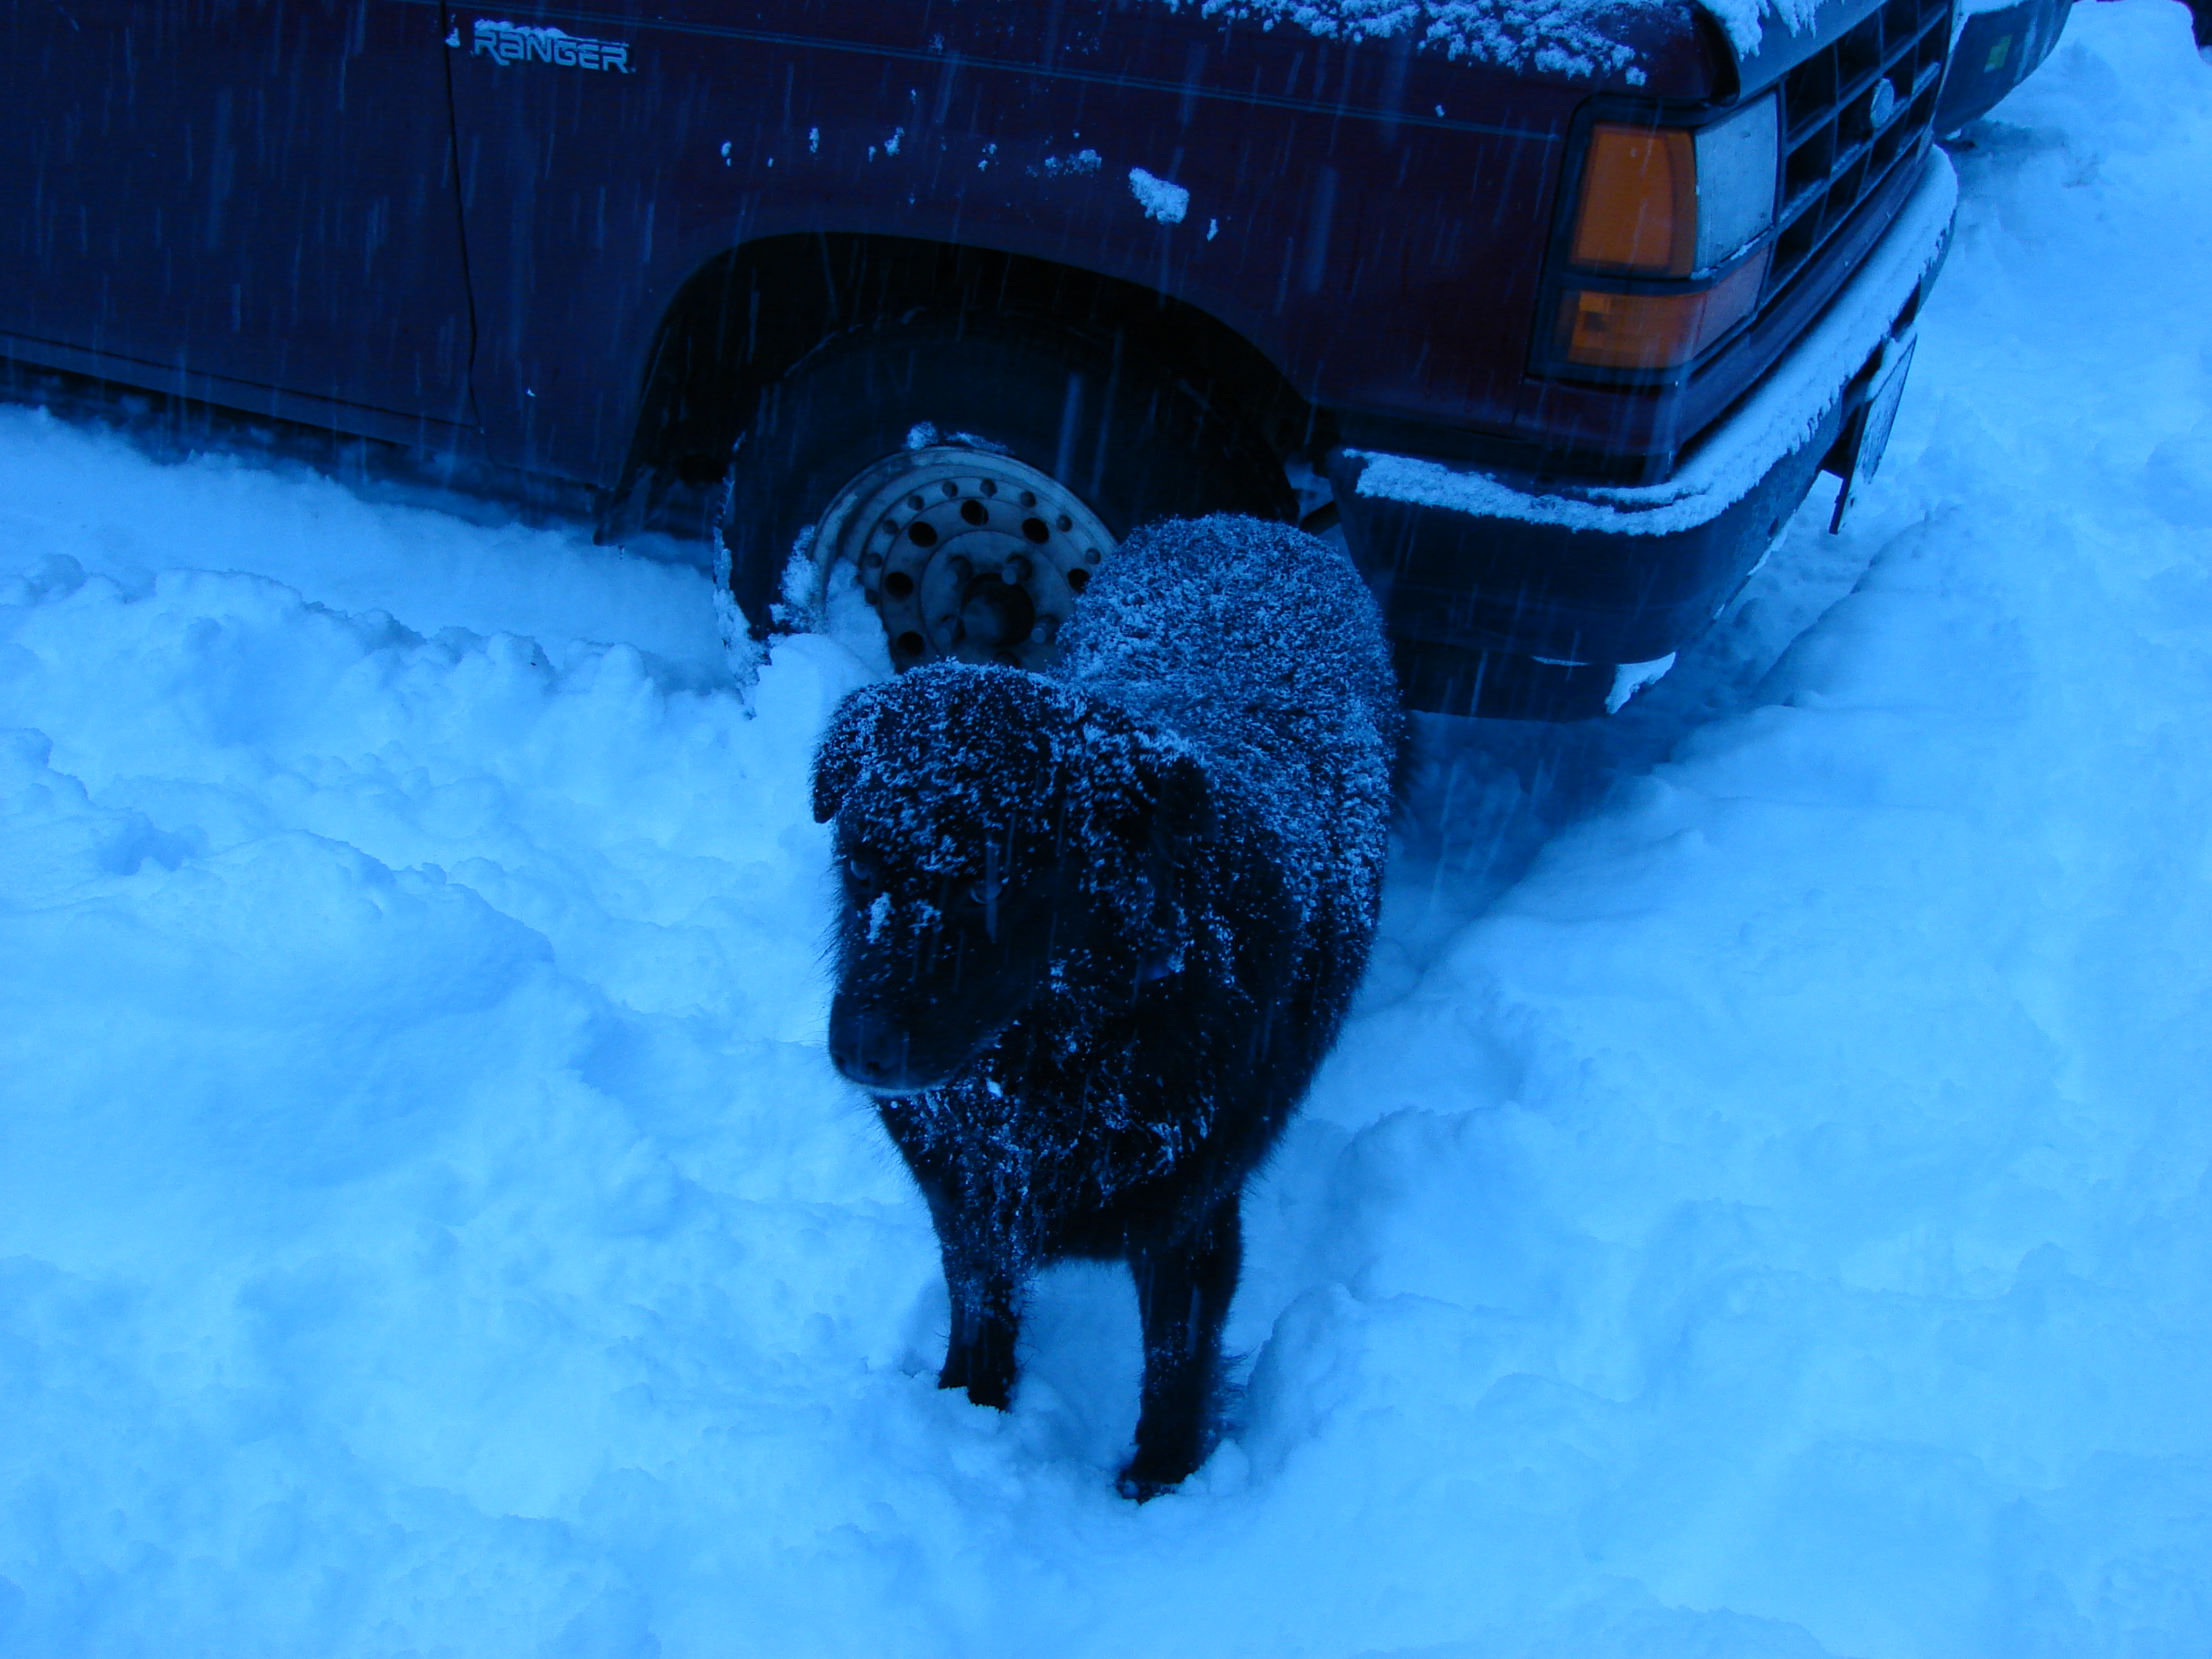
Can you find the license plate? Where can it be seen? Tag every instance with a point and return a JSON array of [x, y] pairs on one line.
[[1876, 416]]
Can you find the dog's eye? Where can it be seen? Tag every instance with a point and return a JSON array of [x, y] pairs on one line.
[[862, 869]]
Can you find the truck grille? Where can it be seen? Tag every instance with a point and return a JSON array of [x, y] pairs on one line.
[[1840, 142]]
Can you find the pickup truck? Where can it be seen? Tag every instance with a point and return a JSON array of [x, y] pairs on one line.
[[914, 308]]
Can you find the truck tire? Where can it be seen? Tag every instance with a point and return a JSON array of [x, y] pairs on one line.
[[967, 474]]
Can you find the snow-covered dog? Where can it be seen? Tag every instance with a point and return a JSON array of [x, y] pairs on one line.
[[1099, 929]]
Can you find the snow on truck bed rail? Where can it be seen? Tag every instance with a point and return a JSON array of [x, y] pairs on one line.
[[1759, 1210], [1561, 37]]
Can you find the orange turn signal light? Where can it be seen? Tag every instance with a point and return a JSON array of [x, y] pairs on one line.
[[1656, 331], [1639, 203]]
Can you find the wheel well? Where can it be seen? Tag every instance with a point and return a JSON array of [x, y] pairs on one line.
[[746, 316]]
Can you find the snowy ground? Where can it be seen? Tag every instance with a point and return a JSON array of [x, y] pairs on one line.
[[1762, 1208]]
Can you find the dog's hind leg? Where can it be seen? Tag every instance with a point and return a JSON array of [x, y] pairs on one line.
[[1183, 1293]]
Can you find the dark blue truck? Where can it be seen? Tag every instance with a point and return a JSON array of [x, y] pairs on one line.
[[1555, 311]]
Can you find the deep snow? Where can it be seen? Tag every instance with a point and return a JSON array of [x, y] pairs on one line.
[[1761, 1209]]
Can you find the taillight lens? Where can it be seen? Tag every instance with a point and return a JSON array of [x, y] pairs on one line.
[[1676, 206]]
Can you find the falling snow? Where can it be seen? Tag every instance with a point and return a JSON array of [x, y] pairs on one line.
[[1758, 1207]]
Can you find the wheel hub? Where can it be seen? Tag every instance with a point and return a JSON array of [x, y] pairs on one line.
[[965, 555]]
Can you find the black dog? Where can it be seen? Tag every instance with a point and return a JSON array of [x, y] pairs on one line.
[[1100, 928]]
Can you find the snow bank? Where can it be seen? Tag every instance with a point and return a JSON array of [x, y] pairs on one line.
[[1770, 1223]]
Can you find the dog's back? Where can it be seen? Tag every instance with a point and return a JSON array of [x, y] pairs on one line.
[[1262, 648]]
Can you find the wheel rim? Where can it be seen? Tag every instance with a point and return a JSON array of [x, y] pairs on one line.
[[965, 554]]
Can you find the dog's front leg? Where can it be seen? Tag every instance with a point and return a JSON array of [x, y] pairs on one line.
[[979, 1355], [1183, 1292]]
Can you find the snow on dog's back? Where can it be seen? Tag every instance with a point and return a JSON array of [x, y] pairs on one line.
[[1260, 646]]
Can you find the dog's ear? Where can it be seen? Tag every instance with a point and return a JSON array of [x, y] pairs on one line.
[[1181, 803], [1178, 819], [843, 752], [1155, 786]]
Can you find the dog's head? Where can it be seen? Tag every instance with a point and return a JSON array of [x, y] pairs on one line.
[[999, 838]]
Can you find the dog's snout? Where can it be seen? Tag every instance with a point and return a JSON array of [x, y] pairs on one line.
[[864, 1045], [891, 1049], [873, 1049]]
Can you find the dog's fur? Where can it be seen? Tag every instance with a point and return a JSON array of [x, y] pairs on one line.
[[1100, 928]]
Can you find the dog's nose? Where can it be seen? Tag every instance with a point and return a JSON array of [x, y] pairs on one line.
[[868, 1046]]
